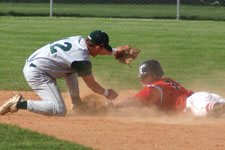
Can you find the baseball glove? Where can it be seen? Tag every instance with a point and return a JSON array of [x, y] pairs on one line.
[[126, 54]]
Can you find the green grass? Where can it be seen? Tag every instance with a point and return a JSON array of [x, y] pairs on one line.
[[115, 10], [187, 50], [16, 138]]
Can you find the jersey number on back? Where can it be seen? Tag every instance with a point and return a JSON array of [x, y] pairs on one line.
[[65, 47]]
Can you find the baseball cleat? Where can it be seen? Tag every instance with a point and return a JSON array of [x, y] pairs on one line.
[[218, 110], [11, 104]]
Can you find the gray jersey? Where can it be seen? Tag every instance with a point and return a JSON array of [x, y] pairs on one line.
[[56, 58]]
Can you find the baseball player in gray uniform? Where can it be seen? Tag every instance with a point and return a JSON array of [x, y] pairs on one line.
[[67, 58]]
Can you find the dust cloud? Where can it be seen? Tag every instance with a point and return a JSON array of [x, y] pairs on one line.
[[210, 83]]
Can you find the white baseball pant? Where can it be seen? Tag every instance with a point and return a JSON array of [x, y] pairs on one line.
[[200, 102], [47, 89]]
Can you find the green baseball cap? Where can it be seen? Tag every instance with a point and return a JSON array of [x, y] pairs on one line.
[[100, 38]]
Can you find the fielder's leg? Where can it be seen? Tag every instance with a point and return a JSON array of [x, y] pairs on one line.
[[46, 87]]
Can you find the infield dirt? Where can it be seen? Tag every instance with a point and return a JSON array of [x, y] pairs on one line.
[[124, 129]]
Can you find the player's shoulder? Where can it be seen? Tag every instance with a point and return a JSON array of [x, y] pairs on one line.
[[79, 41]]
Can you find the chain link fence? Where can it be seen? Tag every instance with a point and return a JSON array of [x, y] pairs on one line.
[[150, 9]]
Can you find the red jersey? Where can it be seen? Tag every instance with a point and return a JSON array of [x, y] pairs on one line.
[[172, 95]]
